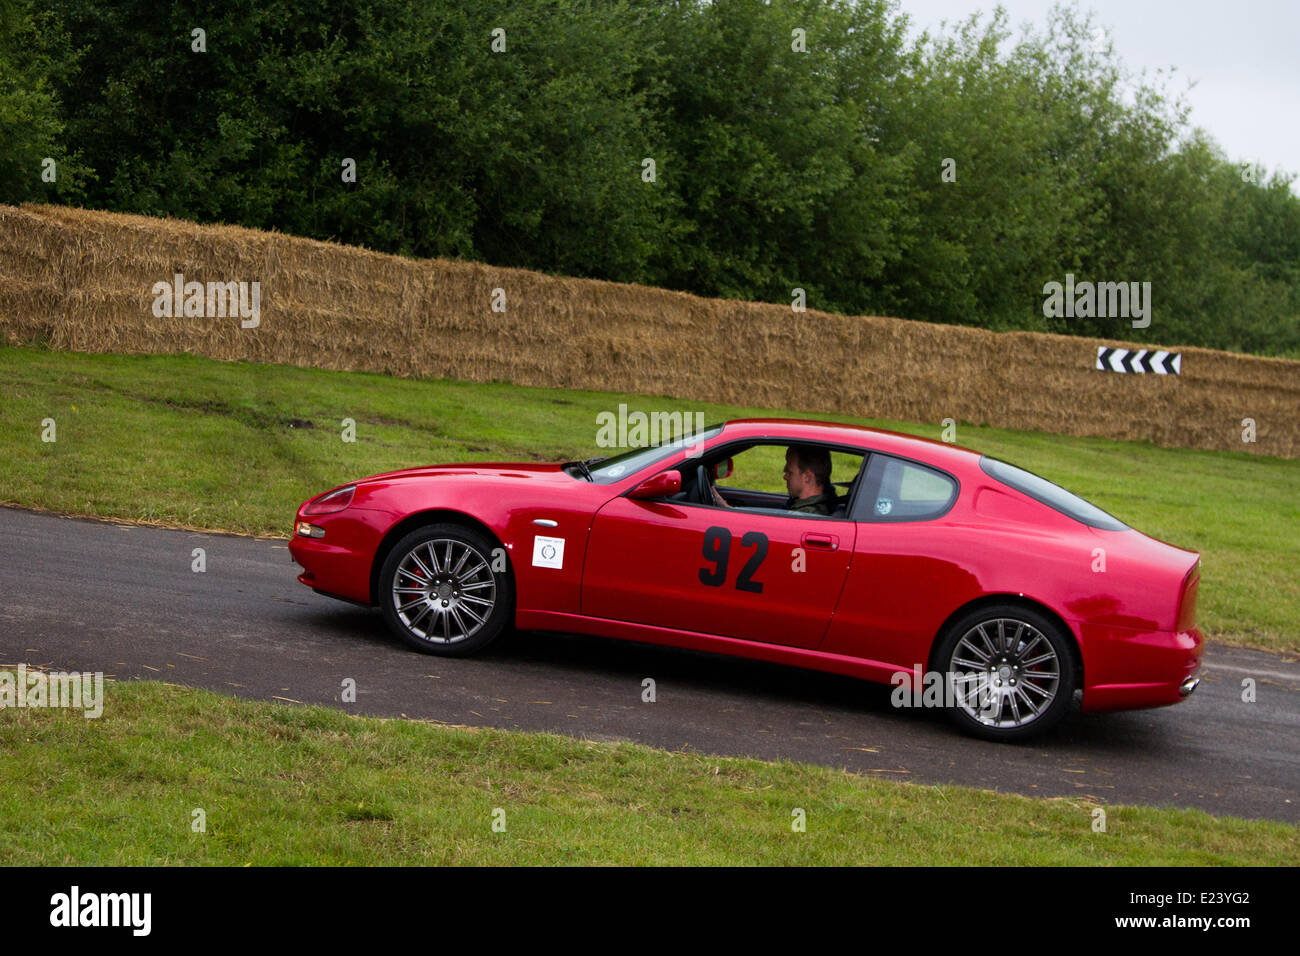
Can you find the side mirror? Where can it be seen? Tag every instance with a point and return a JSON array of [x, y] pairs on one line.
[[662, 485], [724, 469]]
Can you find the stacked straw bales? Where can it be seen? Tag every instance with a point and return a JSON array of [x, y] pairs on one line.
[[82, 280]]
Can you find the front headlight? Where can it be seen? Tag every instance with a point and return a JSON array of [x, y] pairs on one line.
[[329, 503]]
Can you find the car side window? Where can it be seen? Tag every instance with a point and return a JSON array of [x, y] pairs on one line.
[[757, 482], [898, 490], [757, 469]]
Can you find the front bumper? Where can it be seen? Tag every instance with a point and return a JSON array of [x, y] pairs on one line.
[[339, 562]]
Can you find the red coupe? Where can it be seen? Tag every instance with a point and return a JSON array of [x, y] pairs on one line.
[[918, 559]]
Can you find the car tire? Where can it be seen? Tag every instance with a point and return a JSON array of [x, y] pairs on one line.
[[1012, 670], [440, 594]]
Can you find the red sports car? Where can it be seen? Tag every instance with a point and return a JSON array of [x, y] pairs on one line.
[[885, 556]]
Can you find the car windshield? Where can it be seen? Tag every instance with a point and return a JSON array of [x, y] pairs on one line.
[[609, 470], [1054, 496]]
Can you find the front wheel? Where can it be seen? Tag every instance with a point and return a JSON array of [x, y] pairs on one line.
[[1010, 671], [446, 589]]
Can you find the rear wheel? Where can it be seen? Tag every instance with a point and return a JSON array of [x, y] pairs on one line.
[[1011, 672], [440, 592]]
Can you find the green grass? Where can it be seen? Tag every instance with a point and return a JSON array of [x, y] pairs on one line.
[[283, 785], [236, 446]]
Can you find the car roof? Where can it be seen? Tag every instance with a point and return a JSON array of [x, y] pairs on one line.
[[929, 450]]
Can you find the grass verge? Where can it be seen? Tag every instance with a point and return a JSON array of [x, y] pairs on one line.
[[285, 785]]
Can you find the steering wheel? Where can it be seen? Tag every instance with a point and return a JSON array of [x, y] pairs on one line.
[[703, 493]]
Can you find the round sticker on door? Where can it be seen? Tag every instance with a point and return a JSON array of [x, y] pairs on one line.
[[884, 506]]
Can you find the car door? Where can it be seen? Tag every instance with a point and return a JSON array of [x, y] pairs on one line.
[[907, 571], [759, 575]]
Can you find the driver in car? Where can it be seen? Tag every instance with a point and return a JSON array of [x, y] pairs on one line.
[[807, 481]]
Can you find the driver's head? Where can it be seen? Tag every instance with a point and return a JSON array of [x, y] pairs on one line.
[[807, 471]]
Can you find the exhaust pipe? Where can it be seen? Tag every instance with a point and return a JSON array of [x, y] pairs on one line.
[[1188, 686]]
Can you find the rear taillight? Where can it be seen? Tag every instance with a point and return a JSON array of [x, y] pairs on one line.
[[334, 501], [1187, 600]]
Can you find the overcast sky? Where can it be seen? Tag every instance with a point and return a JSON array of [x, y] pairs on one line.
[[1244, 56]]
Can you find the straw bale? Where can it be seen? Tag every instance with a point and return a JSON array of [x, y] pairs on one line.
[[82, 280]]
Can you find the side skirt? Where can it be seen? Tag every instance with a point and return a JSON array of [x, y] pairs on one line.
[[877, 671]]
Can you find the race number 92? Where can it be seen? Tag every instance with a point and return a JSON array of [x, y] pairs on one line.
[[717, 551]]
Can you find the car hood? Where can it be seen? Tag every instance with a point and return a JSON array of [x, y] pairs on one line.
[[496, 469]]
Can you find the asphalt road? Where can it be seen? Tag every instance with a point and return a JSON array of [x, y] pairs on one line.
[[96, 596]]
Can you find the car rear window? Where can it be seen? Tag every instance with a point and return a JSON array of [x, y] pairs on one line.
[[1052, 495]]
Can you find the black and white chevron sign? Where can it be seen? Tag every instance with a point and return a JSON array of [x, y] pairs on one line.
[[1157, 361]]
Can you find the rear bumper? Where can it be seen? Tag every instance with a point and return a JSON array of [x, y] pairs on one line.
[[1129, 668]]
